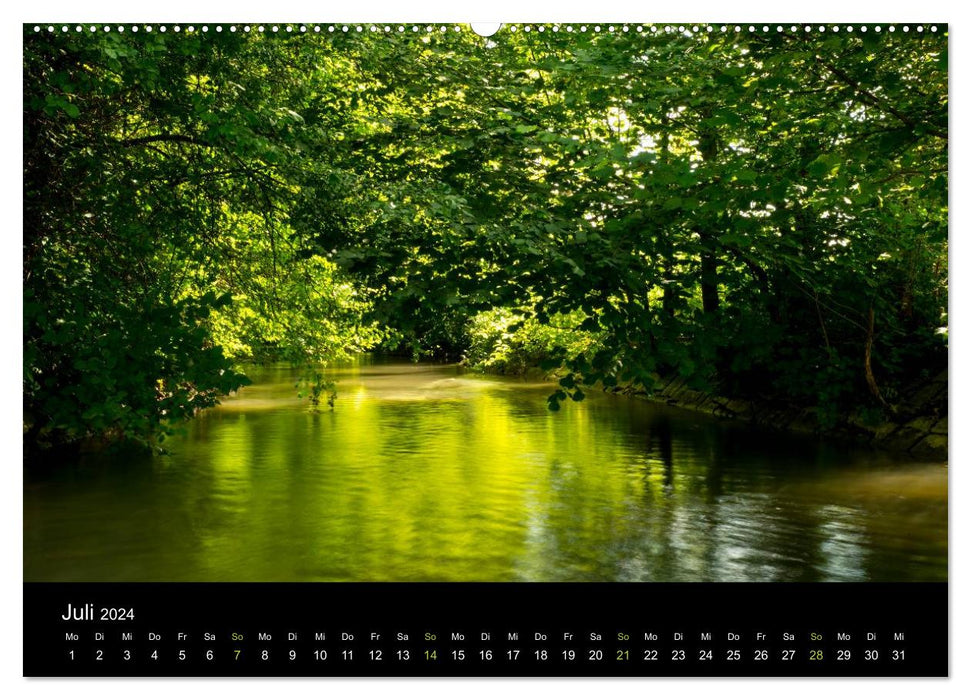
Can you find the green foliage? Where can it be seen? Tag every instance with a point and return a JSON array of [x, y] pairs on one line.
[[761, 214], [159, 173], [316, 385], [505, 342], [127, 376]]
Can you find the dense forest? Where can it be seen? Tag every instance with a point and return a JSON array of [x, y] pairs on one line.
[[763, 213]]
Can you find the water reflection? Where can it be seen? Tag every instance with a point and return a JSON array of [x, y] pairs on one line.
[[425, 474]]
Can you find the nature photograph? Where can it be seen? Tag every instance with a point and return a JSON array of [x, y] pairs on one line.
[[406, 303]]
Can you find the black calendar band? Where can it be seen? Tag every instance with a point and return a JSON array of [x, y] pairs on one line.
[[485, 629]]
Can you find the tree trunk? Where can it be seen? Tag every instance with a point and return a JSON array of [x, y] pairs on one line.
[[709, 281], [708, 145]]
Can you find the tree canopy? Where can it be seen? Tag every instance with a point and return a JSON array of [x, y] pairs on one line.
[[761, 213]]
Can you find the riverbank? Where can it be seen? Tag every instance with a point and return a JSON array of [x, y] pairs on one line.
[[920, 427]]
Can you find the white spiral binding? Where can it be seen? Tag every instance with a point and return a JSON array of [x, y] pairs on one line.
[[512, 28]]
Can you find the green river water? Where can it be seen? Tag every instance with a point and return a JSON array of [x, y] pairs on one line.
[[426, 473]]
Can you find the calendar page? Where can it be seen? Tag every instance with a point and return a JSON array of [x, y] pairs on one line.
[[514, 349]]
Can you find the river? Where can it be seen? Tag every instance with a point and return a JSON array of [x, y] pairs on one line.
[[428, 473]]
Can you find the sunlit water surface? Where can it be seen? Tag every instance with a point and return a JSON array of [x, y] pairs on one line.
[[425, 473]]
